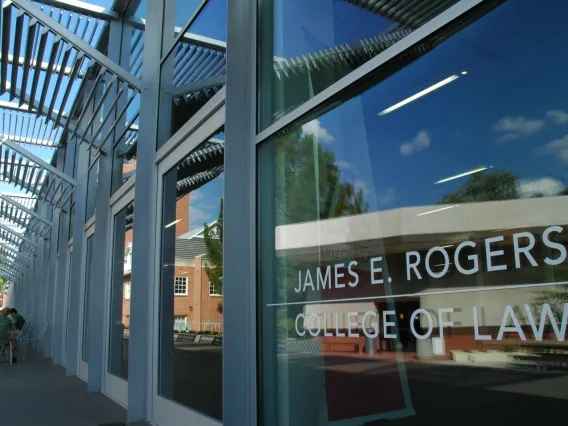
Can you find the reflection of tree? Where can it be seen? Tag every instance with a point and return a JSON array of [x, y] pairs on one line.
[[492, 186], [308, 185], [213, 236], [4, 286]]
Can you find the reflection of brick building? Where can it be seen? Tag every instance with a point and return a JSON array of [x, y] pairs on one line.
[[196, 306]]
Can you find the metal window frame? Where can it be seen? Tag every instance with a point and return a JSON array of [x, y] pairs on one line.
[[239, 238]]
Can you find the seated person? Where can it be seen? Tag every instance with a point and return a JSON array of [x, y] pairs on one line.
[[17, 319], [7, 333]]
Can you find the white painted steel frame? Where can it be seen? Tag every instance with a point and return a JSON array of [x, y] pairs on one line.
[[113, 386], [164, 411], [239, 238], [83, 367]]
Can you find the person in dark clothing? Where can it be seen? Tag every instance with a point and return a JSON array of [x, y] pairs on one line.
[[17, 319]]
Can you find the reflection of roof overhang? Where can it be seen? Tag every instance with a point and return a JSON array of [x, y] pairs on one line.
[[410, 13], [416, 224]]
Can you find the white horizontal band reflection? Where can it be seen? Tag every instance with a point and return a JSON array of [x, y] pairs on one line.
[[419, 94], [435, 211], [429, 293], [173, 223], [470, 172]]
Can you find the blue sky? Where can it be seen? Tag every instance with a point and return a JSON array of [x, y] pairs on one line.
[[510, 111]]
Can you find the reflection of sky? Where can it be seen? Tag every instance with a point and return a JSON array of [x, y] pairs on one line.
[[508, 111], [302, 26], [211, 22], [205, 202]]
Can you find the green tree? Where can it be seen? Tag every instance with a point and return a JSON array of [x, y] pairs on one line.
[[213, 236], [4, 286], [493, 186], [308, 186], [308, 182]]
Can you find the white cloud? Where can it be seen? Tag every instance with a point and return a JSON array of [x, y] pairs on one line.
[[345, 165], [321, 133], [558, 147], [360, 184], [195, 196], [558, 116], [387, 197], [546, 186], [515, 127], [420, 142]]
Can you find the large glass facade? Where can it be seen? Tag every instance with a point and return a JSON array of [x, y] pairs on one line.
[[412, 235], [87, 298], [306, 46], [119, 315], [194, 70], [191, 303]]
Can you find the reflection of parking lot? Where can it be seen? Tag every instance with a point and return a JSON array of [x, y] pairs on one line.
[[441, 392], [197, 374]]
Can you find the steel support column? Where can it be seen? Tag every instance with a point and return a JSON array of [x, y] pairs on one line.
[[76, 281], [145, 199], [239, 243]]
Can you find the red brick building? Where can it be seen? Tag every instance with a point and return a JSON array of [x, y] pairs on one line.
[[197, 304]]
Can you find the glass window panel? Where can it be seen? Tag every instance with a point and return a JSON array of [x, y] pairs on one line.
[[194, 70], [306, 46], [413, 235], [67, 296], [87, 297], [92, 185], [71, 220], [119, 307], [190, 365]]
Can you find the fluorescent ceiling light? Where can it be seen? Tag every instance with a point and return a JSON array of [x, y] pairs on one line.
[[173, 223], [479, 169], [437, 210], [420, 94]]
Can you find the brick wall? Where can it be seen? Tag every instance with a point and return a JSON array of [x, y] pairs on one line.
[[184, 306]]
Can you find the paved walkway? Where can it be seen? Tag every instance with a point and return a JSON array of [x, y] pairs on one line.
[[36, 393]]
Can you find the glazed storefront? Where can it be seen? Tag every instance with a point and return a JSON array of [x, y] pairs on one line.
[[412, 212]]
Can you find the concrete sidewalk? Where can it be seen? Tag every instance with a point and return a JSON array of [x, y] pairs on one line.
[[36, 393]]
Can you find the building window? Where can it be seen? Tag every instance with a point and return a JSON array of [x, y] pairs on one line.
[[215, 290], [180, 286]]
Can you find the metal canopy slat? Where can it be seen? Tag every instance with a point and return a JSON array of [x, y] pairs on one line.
[[50, 69], [28, 57], [76, 67], [110, 109], [78, 43], [98, 107], [20, 236], [6, 30], [66, 55], [87, 101], [32, 176], [16, 55], [20, 206], [38, 180], [39, 161], [39, 61]]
